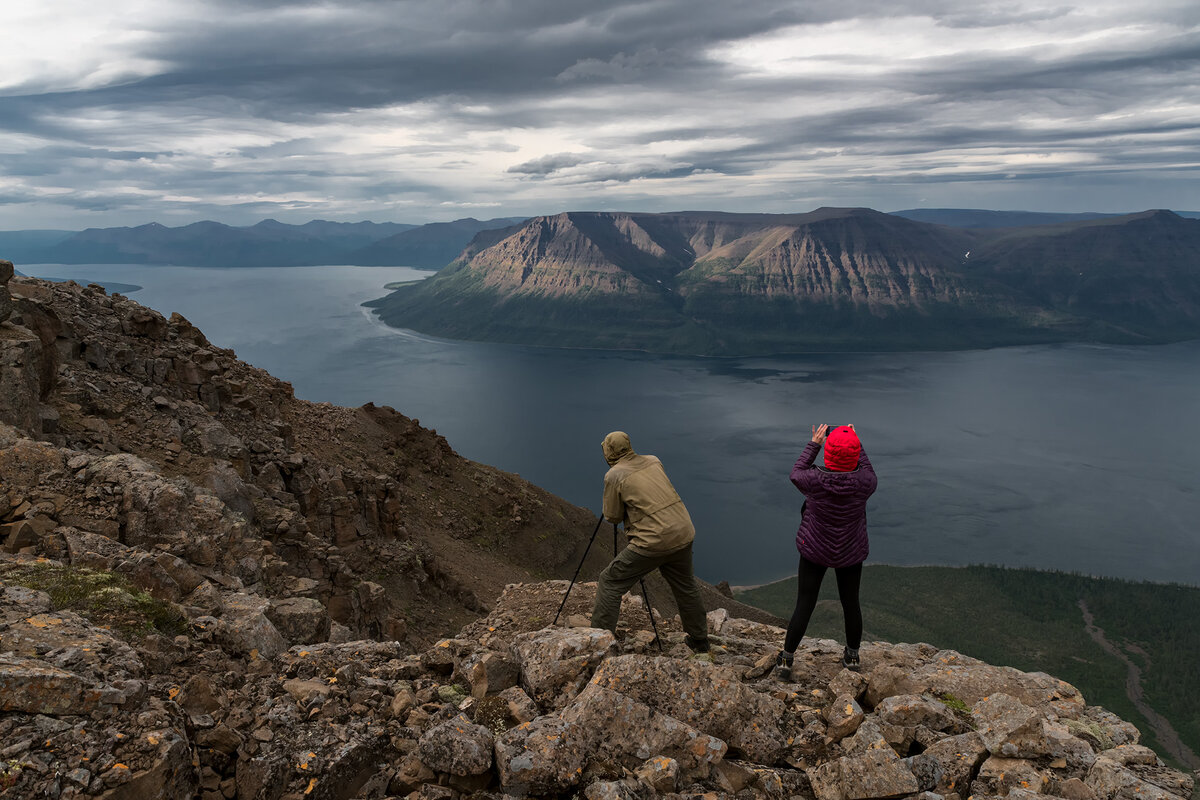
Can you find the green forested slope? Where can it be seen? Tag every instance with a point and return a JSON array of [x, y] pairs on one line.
[[1032, 620]]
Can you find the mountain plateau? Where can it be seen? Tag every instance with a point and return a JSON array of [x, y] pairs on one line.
[[833, 279]]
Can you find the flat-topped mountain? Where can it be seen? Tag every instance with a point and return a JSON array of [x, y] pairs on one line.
[[723, 284]]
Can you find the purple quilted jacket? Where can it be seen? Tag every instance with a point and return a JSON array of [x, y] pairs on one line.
[[833, 531]]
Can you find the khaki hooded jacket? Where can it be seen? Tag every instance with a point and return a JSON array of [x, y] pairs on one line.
[[638, 493]]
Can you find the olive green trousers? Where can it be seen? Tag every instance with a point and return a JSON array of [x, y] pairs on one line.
[[630, 566]]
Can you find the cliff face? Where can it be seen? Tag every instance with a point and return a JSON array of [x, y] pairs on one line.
[[729, 283], [209, 588]]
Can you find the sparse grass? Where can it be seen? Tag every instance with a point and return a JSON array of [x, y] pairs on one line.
[[954, 704], [104, 598], [10, 771]]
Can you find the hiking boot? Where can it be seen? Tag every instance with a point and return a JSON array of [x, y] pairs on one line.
[[696, 645], [783, 666], [850, 660]]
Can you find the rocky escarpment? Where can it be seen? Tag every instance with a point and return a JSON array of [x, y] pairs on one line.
[[723, 284], [128, 439]]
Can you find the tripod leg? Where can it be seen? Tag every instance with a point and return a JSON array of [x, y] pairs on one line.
[[650, 611], [576, 575]]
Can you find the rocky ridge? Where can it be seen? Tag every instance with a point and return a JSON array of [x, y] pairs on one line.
[[307, 560]]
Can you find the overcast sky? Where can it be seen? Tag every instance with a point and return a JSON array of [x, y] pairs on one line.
[[125, 111]]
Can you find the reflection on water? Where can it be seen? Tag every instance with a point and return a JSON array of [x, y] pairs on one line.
[[1066, 457]]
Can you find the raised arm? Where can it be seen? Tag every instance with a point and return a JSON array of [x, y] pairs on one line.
[[803, 475]]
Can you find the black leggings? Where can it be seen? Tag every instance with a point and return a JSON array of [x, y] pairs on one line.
[[809, 585]]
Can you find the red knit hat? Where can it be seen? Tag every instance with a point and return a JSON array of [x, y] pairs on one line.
[[842, 449]]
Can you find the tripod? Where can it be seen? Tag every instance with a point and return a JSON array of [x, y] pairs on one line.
[[645, 594]]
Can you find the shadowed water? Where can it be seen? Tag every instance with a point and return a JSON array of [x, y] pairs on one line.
[[1069, 457]]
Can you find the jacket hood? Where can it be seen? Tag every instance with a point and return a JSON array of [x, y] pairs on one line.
[[616, 446]]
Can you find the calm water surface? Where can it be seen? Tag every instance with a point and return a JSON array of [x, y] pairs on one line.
[[1064, 457]]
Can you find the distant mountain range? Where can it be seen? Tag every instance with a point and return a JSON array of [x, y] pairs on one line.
[[833, 279], [269, 243]]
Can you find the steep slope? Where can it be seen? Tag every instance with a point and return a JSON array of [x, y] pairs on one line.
[[846, 277], [1134, 278], [376, 517], [711, 283]]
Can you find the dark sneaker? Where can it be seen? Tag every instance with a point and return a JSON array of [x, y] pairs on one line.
[[783, 666], [696, 645], [850, 660]]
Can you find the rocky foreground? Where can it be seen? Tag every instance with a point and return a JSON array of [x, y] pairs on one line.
[[513, 707], [211, 589]]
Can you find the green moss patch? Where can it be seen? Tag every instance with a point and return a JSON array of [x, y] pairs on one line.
[[104, 598]]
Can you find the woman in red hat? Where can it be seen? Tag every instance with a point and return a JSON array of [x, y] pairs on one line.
[[833, 533]]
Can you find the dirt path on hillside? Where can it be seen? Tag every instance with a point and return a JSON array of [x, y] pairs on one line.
[[1163, 729]]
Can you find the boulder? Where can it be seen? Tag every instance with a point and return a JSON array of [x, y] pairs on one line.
[[617, 729], [874, 774], [245, 628], [489, 672], [540, 757], [1010, 728], [999, 775], [520, 705], [172, 775], [33, 686], [611, 790], [300, 620], [1133, 771], [843, 717], [556, 663], [913, 710], [458, 747], [959, 757], [868, 736], [659, 773], [709, 698]]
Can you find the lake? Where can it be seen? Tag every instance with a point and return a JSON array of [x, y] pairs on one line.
[[1069, 457]]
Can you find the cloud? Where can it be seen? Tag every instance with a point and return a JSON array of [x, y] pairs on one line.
[[121, 113], [545, 165]]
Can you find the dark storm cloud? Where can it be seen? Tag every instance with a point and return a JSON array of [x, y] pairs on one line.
[[415, 105]]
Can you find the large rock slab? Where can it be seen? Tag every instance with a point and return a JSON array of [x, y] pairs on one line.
[[948, 673], [913, 710], [540, 757], [556, 663], [874, 774], [457, 747], [959, 756], [172, 776], [618, 729], [1010, 728], [300, 620], [1133, 772], [711, 699], [32, 686], [245, 628]]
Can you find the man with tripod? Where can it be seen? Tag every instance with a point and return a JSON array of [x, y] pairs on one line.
[[638, 493]]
